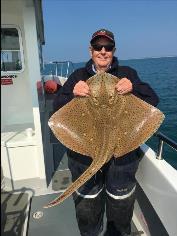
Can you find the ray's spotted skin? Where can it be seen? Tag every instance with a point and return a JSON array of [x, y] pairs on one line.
[[103, 125]]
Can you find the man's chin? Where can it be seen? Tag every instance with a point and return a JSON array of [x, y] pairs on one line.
[[103, 64]]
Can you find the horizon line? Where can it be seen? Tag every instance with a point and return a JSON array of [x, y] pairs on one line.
[[139, 58]]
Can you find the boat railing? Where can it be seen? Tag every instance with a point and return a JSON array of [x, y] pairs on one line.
[[66, 68], [164, 139]]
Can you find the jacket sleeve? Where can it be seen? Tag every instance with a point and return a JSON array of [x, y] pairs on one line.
[[143, 90], [65, 93]]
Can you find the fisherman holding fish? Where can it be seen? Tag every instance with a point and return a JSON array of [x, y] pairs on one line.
[[114, 184]]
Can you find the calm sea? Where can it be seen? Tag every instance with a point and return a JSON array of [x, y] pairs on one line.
[[161, 74]]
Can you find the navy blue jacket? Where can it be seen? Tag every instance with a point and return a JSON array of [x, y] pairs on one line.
[[140, 89]]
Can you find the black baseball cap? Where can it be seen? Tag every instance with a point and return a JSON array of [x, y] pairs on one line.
[[103, 33]]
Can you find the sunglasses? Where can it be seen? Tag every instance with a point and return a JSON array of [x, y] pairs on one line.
[[98, 47]]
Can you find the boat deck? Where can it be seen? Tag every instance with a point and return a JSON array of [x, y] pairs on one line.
[[17, 209], [59, 220]]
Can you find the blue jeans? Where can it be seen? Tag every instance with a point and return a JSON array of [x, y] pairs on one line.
[[113, 185]]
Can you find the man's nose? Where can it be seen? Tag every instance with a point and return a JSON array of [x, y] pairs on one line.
[[103, 50]]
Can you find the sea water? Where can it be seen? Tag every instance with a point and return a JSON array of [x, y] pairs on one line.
[[161, 74]]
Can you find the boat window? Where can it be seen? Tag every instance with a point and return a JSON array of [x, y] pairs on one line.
[[11, 50]]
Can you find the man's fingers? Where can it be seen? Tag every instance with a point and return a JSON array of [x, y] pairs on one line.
[[85, 85], [83, 95], [122, 81], [124, 86], [119, 88], [82, 92], [122, 92], [81, 89]]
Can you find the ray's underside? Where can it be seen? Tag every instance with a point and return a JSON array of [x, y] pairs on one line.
[[103, 125]]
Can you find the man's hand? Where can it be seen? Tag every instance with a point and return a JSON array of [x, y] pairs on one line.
[[81, 89], [124, 86]]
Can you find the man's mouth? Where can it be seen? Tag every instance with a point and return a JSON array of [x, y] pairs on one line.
[[102, 59]]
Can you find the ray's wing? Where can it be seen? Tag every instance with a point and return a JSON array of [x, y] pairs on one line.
[[136, 124], [73, 126]]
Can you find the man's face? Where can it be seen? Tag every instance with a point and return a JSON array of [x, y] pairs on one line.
[[102, 56]]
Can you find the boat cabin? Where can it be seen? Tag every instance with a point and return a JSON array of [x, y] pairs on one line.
[[22, 37]]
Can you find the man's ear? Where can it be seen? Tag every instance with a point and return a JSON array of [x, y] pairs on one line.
[[90, 50], [114, 50]]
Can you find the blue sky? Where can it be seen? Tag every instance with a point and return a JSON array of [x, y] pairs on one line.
[[142, 28]]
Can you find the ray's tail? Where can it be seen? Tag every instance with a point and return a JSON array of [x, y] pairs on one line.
[[92, 169]]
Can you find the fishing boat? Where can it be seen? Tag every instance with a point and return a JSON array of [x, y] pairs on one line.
[[34, 163]]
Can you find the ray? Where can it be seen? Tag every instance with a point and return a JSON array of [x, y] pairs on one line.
[[103, 125]]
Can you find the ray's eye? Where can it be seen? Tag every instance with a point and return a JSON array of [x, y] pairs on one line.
[[111, 98]]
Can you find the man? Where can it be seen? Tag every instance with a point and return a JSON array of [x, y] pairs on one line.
[[115, 183]]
